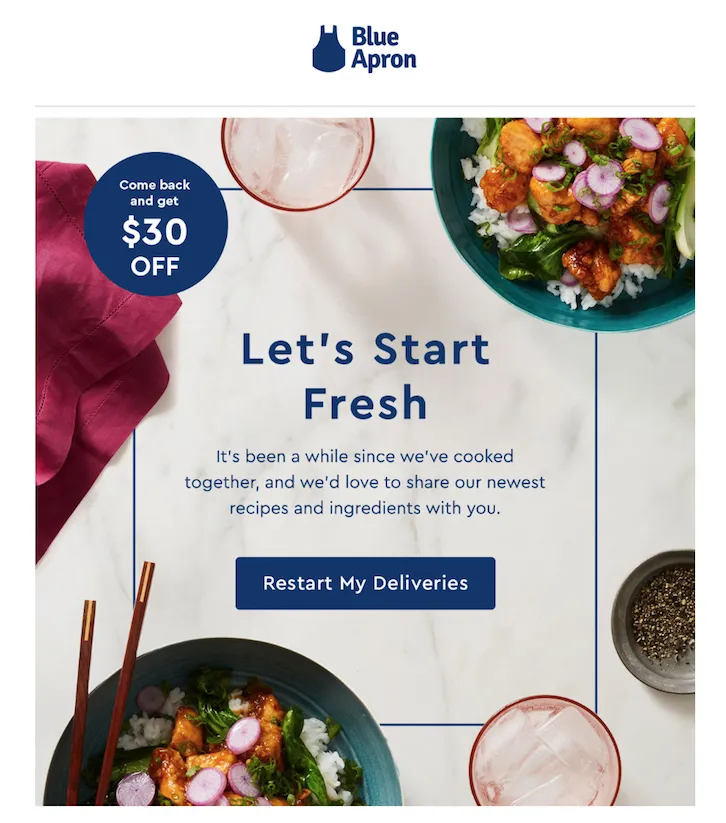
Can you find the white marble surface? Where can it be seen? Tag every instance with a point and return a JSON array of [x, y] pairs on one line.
[[381, 261]]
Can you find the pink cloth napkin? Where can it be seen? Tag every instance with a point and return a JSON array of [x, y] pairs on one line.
[[98, 369]]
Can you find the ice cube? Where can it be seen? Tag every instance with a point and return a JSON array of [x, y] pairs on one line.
[[540, 781], [574, 740], [506, 746]]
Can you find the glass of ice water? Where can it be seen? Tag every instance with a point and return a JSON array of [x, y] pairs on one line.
[[545, 751], [297, 164]]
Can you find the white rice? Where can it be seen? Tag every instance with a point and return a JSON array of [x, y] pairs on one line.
[[492, 223], [152, 731], [489, 222], [146, 731], [315, 737], [631, 283], [475, 127], [174, 702]]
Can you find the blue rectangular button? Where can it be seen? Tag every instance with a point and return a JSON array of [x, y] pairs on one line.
[[431, 583]]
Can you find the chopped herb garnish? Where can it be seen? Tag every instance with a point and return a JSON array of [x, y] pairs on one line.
[[270, 781], [619, 146], [192, 770], [332, 727], [636, 188], [616, 251], [242, 801]]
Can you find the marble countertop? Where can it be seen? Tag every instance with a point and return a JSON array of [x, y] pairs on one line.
[[380, 260]]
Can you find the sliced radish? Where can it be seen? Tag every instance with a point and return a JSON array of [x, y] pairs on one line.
[[150, 699], [548, 171], [206, 787], [136, 789], [587, 197], [241, 781], [243, 735], [642, 133], [659, 201], [222, 801], [520, 219], [605, 180], [536, 123], [568, 278], [575, 152], [262, 801]]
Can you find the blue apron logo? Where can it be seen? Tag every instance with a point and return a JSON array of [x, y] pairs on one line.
[[328, 55]]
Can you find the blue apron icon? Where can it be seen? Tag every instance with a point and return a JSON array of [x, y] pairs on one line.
[[328, 55]]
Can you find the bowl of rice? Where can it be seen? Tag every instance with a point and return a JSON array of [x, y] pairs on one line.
[[337, 729], [641, 298]]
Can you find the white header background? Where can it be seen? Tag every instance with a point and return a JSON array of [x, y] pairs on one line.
[[212, 58]]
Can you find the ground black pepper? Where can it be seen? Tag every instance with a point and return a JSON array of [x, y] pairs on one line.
[[664, 614]]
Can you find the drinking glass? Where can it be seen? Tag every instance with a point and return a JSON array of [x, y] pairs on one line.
[[545, 751], [297, 164]]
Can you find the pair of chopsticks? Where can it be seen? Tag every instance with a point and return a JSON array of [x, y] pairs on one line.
[[122, 692]]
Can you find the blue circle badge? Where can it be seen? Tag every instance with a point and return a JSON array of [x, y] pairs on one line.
[[155, 223]]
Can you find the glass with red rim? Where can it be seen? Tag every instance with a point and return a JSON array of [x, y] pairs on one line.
[[545, 751], [297, 164]]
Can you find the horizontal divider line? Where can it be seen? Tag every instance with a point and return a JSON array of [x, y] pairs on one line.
[[357, 188], [393, 188], [471, 725]]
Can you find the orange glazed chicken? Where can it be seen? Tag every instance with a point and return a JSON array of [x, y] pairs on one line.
[[590, 206]]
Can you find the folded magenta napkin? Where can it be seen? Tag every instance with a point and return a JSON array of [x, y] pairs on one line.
[[98, 369]]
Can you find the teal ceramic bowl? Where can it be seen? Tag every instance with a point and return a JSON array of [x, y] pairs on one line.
[[295, 679], [661, 301]]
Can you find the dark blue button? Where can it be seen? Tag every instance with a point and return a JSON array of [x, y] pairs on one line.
[[431, 583]]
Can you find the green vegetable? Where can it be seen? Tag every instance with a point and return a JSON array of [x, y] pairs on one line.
[[685, 234], [616, 251], [332, 727], [533, 204], [688, 124], [299, 757], [351, 776], [271, 782], [241, 801], [164, 801], [193, 770], [490, 142], [208, 692], [124, 763], [619, 146], [539, 256]]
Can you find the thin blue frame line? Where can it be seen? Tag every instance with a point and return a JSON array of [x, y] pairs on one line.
[[393, 188], [357, 188], [425, 725], [133, 517], [597, 547]]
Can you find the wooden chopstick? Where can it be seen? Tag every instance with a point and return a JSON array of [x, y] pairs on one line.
[[79, 717], [124, 681]]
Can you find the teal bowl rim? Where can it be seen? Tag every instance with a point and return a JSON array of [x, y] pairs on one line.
[[69, 726], [470, 265]]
